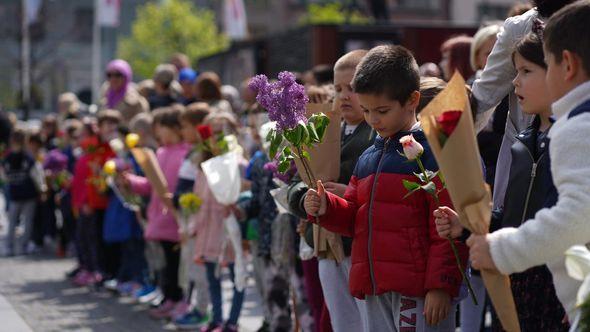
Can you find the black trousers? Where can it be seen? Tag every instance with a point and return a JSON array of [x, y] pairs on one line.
[[172, 290]]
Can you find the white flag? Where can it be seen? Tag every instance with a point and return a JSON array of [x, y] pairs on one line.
[[235, 22], [108, 12], [33, 7]]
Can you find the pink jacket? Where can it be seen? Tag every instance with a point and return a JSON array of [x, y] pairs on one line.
[[211, 243], [162, 224]]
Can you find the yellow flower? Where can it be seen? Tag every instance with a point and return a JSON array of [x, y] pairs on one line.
[[110, 168], [190, 203], [131, 140]]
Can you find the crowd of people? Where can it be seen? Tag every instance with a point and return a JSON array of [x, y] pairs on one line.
[[354, 254]]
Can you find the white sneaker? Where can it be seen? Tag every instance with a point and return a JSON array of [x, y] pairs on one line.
[[150, 296]]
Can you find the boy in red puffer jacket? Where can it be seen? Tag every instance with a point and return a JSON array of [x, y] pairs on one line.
[[401, 267]]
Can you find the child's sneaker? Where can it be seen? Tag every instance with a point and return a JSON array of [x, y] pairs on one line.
[[179, 310], [128, 288], [145, 290], [212, 327], [82, 278], [164, 310], [149, 297], [71, 274], [191, 320], [111, 285], [230, 328]]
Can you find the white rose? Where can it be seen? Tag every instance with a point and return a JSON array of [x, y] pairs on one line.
[[412, 149]]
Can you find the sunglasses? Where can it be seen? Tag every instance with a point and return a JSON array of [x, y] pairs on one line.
[[115, 75]]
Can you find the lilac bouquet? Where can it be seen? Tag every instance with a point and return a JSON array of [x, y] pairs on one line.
[[285, 100]]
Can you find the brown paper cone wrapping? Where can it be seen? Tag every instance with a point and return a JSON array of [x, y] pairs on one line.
[[150, 167], [506, 310], [325, 165], [460, 163], [324, 157]]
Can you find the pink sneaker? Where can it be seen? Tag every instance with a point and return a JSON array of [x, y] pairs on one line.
[[82, 278], [164, 310], [179, 310]]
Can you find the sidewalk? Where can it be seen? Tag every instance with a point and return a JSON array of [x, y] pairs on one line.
[[11, 320], [35, 296]]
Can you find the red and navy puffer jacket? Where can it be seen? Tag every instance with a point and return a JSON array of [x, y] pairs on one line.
[[395, 244]]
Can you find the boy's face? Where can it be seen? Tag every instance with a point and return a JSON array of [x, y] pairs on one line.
[[555, 77], [107, 130], [188, 132], [346, 99], [387, 116]]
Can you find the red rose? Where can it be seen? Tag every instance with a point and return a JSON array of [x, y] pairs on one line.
[[447, 122], [204, 131]]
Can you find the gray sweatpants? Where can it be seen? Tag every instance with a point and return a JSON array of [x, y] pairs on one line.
[[346, 312], [20, 211], [397, 313]]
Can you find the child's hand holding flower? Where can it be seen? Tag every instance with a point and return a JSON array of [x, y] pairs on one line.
[[447, 223], [315, 201]]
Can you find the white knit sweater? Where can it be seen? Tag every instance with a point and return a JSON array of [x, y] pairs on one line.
[[544, 239]]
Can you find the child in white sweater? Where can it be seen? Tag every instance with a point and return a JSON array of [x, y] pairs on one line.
[[544, 239]]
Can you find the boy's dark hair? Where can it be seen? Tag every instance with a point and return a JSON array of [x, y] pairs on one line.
[[323, 74], [167, 117], [390, 70], [568, 29], [430, 87], [18, 136], [111, 116], [546, 8], [209, 86], [530, 47], [195, 113], [35, 138], [72, 126]]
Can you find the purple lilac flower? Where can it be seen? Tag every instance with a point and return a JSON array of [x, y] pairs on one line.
[[273, 167], [55, 161], [284, 99]]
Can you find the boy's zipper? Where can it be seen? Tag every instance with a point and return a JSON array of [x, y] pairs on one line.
[[532, 181], [370, 246]]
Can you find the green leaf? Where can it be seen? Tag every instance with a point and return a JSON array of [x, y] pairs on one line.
[[306, 155], [313, 134], [430, 188], [442, 179], [284, 166], [410, 193], [409, 185], [271, 135], [429, 176]]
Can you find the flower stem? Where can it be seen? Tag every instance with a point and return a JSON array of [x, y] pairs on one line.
[[469, 287], [455, 252]]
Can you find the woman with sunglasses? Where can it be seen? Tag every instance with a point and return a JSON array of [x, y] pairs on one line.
[[119, 91]]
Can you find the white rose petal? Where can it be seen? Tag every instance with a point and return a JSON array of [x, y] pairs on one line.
[[412, 149], [117, 145], [577, 262], [583, 292]]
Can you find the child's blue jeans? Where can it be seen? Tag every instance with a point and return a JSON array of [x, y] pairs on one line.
[[215, 295]]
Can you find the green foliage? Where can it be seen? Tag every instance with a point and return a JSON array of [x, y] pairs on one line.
[[333, 13], [163, 29], [296, 139]]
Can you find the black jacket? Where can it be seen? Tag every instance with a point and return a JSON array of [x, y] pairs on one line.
[[530, 185], [351, 147]]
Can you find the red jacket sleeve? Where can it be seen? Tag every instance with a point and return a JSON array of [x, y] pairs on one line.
[[340, 212], [442, 271]]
